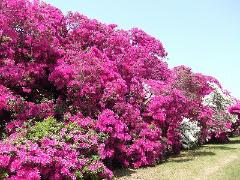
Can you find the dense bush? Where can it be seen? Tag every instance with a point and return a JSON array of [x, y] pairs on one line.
[[190, 132], [208, 103], [106, 94], [235, 110], [219, 100], [52, 150]]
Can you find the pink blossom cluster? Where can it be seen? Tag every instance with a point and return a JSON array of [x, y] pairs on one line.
[[235, 109], [114, 84], [65, 152]]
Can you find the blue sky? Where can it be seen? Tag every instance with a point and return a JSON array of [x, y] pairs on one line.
[[202, 34]]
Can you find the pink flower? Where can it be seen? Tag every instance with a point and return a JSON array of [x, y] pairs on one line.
[[228, 125], [16, 165], [4, 160]]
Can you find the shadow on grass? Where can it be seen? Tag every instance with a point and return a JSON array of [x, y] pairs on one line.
[[179, 160], [186, 156], [234, 141], [202, 153], [189, 156], [194, 153], [221, 147], [123, 172]]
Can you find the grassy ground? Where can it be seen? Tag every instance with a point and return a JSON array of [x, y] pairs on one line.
[[210, 162]]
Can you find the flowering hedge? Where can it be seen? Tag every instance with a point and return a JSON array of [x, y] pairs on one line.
[[77, 80], [235, 110]]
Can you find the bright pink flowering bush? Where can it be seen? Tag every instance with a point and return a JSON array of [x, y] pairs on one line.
[[195, 88], [52, 150], [235, 109], [208, 104], [219, 101], [114, 99]]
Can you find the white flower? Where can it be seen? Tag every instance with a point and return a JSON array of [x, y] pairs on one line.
[[219, 100], [190, 132]]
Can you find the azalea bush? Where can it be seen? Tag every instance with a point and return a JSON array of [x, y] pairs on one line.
[[235, 110], [222, 121], [190, 132], [208, 104], [195, 87], [87, 96], [53, 150]]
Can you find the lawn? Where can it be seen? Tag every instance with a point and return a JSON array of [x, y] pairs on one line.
[[211, 161]]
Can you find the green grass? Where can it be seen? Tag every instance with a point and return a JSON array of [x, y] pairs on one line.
[[210, 162]]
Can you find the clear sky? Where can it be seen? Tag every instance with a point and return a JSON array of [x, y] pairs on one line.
[[202, 34]]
